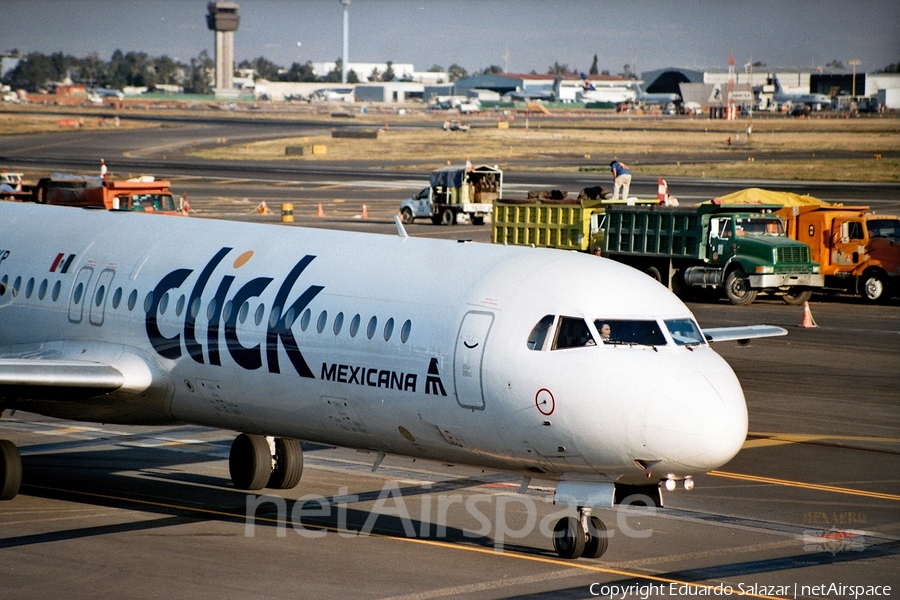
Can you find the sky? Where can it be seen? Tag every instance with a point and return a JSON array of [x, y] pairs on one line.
[[521, 35]]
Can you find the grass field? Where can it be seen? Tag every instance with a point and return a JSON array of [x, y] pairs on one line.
[[836, 149], [827, 149]]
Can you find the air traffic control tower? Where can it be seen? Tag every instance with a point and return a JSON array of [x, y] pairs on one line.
[[223, 19]]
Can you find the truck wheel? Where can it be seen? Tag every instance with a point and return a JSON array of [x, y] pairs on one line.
[[737, 288], [795, 297], [448, 217], [679, 287], [406, 216], [873, 287]]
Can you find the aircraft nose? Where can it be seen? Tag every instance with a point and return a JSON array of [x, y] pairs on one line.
[[699, 421]]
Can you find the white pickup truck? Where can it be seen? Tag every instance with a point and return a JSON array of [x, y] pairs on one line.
[[454, 191]]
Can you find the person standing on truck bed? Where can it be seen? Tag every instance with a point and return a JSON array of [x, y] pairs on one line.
[[621, 178]]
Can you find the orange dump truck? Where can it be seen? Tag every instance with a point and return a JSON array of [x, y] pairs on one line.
[[142, 195], [859, 251]]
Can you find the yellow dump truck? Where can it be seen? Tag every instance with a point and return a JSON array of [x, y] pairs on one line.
[[859, 251]]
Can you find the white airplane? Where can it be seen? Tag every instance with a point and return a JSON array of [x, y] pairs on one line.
[[814, 101], [467, 353]]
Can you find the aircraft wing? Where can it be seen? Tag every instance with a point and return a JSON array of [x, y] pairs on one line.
[[742, 334], [57, 379]]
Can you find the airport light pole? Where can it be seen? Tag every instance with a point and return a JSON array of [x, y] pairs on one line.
[[853, 62], [345, 56]]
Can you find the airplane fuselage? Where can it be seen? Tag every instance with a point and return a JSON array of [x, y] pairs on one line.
[[410, 346]]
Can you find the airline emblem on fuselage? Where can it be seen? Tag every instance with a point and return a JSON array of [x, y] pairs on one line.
[[278, 327]]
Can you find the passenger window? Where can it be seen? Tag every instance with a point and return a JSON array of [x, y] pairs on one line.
[[388, 329], [572, 332], [57, 287], [42, 291], [354, 325], [338, 323], [538, 334], [370, 328], [630, 333], [404, 331], [323, 319]]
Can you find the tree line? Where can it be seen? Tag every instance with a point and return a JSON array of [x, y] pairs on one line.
[[36, 71]]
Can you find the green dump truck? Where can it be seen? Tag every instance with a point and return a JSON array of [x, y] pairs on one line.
[[741, 250]]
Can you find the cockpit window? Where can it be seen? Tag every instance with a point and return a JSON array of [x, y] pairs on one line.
[[538, 335], [572, 332], [684, 331], [628, 332]]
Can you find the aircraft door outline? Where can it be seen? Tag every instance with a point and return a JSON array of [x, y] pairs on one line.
[[468, 358], [100, 295], [79, 294]]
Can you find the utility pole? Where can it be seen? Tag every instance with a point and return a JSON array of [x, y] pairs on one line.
[[853, 62]]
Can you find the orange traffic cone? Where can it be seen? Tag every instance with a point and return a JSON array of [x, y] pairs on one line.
[[662, 191], [320, 212], [365, 213], [262, 209], [808, 320]]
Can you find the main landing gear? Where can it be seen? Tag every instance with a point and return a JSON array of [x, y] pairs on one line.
[[584, 536], [10, 470], [256, 461]]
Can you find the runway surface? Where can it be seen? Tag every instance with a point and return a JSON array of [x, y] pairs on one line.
[[812, 500]]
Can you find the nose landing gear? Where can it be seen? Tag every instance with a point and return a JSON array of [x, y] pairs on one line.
[[584, 537]]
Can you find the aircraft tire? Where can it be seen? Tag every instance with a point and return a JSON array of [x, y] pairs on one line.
[[597, 539], [796, 297], [10, 470], [406, 216], [477, 220], [738, 290], [288, 464], [250, 462], [448, 217], [569, 538]]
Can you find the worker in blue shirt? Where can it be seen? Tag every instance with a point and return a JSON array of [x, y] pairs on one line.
[[622, 179]]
